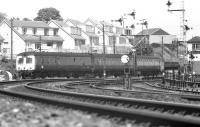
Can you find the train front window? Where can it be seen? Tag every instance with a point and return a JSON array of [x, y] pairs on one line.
[[20, 61], [28, 60]]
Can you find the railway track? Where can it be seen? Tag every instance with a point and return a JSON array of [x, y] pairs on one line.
[[133, 109], [140, 115]]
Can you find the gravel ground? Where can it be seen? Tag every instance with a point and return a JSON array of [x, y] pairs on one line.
[[19, 113]]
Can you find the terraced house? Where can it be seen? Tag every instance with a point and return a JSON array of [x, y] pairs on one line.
[[63, 36], [117, 39], [29, 36], [74, 38], [88, 36]]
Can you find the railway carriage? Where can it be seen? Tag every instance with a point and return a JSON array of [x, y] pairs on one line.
[[42, 64]]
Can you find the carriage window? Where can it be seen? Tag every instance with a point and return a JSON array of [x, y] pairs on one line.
[[20, 61], [28, 60]]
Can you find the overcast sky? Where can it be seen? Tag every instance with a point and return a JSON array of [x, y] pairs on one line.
[[155, 11]]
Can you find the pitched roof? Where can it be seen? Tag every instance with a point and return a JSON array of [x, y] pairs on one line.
[[34, 38], [75, 22], [195, 39], [91, 34], [137, 40], [60, 23], [153, 31], [99, 23], [1, 38], [77, 37], [31, 24]]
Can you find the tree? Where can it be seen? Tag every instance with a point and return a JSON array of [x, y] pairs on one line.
[[26, 19], [2, 16], [46, 14]]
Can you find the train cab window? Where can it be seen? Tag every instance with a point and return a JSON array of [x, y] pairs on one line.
[[28, 60], [20, 61]]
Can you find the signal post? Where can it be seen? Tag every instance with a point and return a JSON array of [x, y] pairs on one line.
[[127, 80]]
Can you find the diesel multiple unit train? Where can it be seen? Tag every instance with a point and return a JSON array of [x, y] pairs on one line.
[[52, 64]]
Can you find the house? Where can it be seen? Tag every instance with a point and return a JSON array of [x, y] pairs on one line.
[[29, 36], [193, 46], [1, 42], [89, 37], [72, 35], [155, 35], [113, 37]]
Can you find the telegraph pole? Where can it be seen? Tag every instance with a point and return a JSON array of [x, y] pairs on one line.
[[162, 49], [40, 43], [11, 48], [183, 28], [104, 52]]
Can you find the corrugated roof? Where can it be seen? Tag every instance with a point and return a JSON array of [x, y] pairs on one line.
[[31, 24], [195, 39], [153, 31], [34, 38]]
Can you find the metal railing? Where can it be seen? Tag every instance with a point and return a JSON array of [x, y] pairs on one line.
[[181, 81]]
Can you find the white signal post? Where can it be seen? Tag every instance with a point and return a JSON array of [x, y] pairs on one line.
[[125, 60]]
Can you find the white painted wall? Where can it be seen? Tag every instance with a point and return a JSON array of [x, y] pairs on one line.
[[68, 42], [18, 43], [189, 47], [167, 39]]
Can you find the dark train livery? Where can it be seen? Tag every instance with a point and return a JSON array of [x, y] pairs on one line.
[[52, 64]]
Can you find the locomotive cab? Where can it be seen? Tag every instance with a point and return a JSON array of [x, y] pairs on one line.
[[25, 63]]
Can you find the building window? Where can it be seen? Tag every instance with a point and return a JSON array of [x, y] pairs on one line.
[[90, 29], [76, 31], [20, 61], [28, 60], [38, 46], [128, 32], [119, 31], [34, 31], [30, 49], [130, 41], [55, 32], [6, 50], [50, 44], [197, 46], [94, 40], [24, 30], [112, 40], [122, 40], [193, 47], [5, 43], [46, 32], [79, 42], [108, 29]]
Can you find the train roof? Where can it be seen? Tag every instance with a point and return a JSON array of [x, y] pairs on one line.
[[77, 54]]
